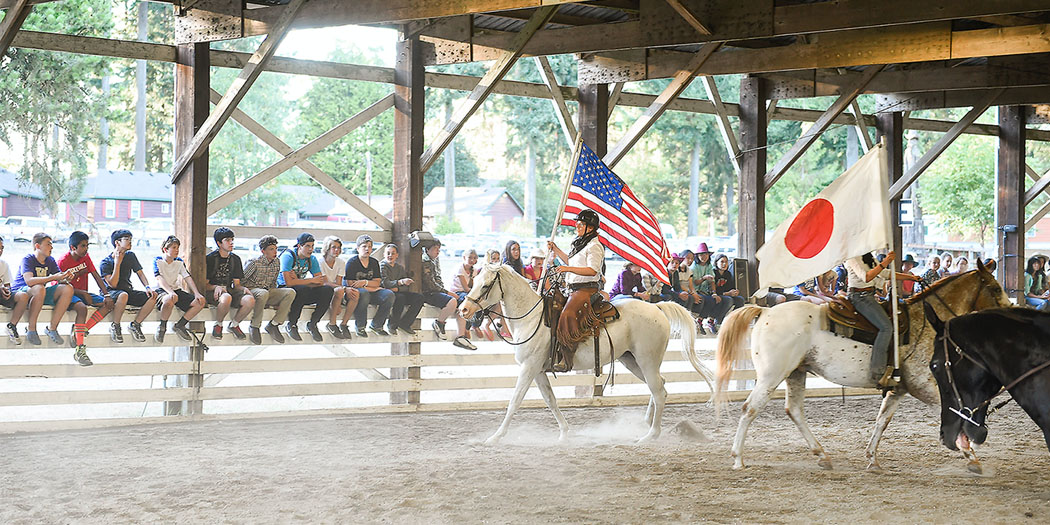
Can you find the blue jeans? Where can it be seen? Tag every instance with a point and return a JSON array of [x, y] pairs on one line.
[[1039, 304], [382, 298], [869, 307]]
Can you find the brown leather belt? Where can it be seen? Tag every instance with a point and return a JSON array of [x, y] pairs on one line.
[[861, 290], [582, 286]]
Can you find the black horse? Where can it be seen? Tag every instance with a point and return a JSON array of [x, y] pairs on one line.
[[976, 354]]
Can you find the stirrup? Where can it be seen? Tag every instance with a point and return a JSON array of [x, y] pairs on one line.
[[888, 381]]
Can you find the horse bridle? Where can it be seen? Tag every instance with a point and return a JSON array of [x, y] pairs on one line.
[[487, 311], [941, 300], [964, 412]]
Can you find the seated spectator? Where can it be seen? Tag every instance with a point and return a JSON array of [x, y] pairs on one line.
[[907, 287], [492, 257], [946, 265], [715, 307], [461, 285], [14, 299], [435, 294], [333, 267], [224, 290], [725, 283], [176, 288], [407, 304], [295, 265], [260, 278], [40, 278], [78, 260], [681, 287], [116, 270], [654, 288], [962, 265], [1036, 294], [364, 274], [533, 270], [932, 273], [512, 257], [629, 283]]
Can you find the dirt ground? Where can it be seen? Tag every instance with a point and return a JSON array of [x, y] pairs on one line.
[[432, 468]]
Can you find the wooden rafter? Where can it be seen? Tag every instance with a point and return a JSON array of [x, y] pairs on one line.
[[614, 96], [485, 86], [298, 156], [688, 16], [771, 109], [898, 187], [813, 133], [726, 129], [13, 20], [557, 100], [862, 128], [308, 167], [1037, 216], [1040, 184], [237, 90], [657, 108]]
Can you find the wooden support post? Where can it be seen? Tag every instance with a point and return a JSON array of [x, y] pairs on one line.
[[813, 133], [614, 96], [656, 109], [409, 116], [485, 86], [13, 20], [1010, 199], [889, 128], [752, 209], [192, 77], [557, 100], [862, 128], [593, 119], [728, 137], [237, 90]]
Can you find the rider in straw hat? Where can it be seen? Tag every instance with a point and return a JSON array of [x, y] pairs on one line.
[[583, 269]]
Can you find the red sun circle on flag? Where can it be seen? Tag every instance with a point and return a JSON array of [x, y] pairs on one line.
[[811, 230]]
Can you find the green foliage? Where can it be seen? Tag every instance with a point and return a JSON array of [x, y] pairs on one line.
[[447, 225], [960, 188], [46, 91], [467, 170]]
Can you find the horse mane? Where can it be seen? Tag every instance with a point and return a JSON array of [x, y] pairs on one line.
[[940, 283]]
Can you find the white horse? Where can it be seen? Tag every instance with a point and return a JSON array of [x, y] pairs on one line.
[[639, 338], [791, 339]]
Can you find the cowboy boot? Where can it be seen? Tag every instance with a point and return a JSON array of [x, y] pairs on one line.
[[887, 381], [564, 363]]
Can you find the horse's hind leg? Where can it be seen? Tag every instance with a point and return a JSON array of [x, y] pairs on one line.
[[886, 411], [658, 395], [547, 392], [629, 361], [796, 395], [526, 374], [755, 402]]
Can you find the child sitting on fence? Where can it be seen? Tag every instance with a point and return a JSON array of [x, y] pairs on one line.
[[116, 270], [176, 288], [79, 262], [40, 277], [11, 298], [224, 290]]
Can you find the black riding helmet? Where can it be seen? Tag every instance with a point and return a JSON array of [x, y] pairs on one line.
[[588, 217]]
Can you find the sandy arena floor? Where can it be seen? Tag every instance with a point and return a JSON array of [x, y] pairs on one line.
[[431, 468]]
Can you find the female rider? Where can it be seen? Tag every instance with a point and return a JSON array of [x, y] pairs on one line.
[[584, 265]]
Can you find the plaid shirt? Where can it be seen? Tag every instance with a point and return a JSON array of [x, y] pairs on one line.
[[260, 273]]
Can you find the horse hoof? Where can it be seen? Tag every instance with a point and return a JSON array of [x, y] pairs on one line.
[[824, 463], [644, 440], [975, 467], [739, 465], [492, 440], [874, 466]]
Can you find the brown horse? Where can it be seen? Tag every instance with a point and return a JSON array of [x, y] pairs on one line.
[[791, 339]]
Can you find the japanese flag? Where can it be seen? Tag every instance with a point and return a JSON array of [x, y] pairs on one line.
[[848, 218]]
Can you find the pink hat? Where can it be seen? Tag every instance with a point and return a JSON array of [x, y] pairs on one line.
[[702, 248]]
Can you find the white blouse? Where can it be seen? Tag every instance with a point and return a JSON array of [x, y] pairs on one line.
[[591, 256], [856, 270]]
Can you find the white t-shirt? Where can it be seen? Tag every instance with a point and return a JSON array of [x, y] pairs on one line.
[[591, 256], [5, 273], [173, 272], [856, 270], [334, 274]]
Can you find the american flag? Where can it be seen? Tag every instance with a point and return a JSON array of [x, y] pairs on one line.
[[627, 227]]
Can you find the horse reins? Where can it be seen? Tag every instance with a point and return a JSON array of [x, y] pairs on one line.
[[487, 311]]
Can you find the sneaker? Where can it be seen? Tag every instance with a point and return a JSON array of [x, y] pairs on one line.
[[378, 330], [314, 332], [216, 331], [293, 331], [114, 333], [12, 334], [335, 331], [439, 330], [54, 336], [346, 331], [274, 332], [32, 337], [235, 329], [182, 332], [700, 327], [136, 331], [407, 329], [361, 332], [464, 343], [709, 326], [81, 356], [161, 330], [255, 335]]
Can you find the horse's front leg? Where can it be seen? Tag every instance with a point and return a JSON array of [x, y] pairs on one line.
[[529, 370], [544, 384], [889, 407]]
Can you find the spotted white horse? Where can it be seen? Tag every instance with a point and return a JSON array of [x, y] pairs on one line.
[[640, 339]]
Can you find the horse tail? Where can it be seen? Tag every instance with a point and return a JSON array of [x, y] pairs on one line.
[[682, 324], [730, 347]]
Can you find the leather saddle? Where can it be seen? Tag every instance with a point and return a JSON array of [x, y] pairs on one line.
[[587, 321], [846, 321]]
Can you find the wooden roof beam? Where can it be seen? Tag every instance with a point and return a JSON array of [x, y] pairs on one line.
[[862, 128], [13, 20], [724, 126], [1040, 184], [557, 100]]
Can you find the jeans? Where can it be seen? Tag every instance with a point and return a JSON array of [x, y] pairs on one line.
[[405, 309], [710, 308], [321, 296], [1039, 304], [382, 298], [869, 307]]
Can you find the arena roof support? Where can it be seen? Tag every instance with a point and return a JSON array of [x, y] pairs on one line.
[[890, 130], [862, 128], [13, 20], [752, 210], [485, 86], [897, 188], [558, 100], [1010, 199], [657, 108], [593, 117], [192, 78], [614, 96], [813, 133], [300, 155], [237, 90], [1040, 184], [728, 137], [1039, 214]]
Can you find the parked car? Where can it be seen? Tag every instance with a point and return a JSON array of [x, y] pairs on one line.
[[22, 229]]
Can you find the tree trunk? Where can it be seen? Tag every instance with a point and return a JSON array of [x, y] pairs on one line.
[[730, 225], [693, 228], [140, 98], [103, 128], [450, 170], [530, 189]]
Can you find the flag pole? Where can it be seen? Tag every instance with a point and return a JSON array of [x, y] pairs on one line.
[[893, 278], [565, 195]]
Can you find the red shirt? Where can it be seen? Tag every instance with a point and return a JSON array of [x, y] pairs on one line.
[[83, 267]]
